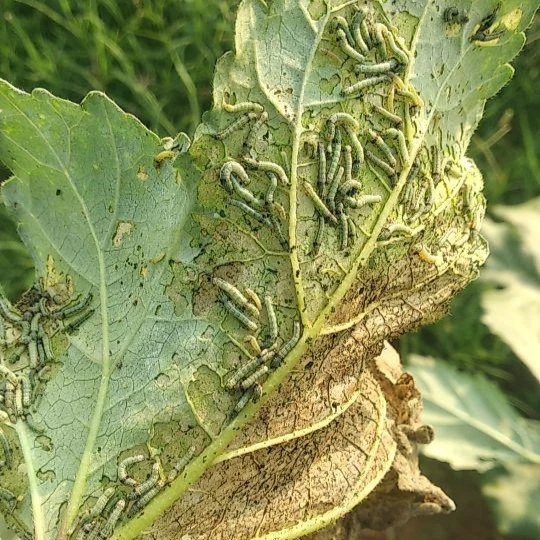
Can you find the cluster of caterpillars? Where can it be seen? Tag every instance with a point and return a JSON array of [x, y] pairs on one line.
[[336, 194], [263, 209], [269, 355], [26, 352], [379, 58], [487, 30], [99, 521], [378, 54]]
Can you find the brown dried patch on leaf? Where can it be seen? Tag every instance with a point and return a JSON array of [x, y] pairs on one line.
[[404, 492], [304, 483], [301, 485]]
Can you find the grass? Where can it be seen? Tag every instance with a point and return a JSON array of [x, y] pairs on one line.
[[156, 59]]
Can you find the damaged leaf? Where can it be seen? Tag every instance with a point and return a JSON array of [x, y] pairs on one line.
[[226, 300]]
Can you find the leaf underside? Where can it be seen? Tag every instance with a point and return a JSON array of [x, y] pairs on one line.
[[167, 239]]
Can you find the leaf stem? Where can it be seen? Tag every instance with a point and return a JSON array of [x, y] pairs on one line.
[[37, 510]]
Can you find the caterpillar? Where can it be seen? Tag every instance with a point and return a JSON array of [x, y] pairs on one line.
[[336, 155], [350, 185], [257, 392], [252, 340], [147, 497], [243, 106], [254, 297], [344, 223], [236, 296], [318, 203], [148, 484], [101, 502], [287, 348], [33, 354], [244, 120], [332, 191], [396, 228], [9, 497], [386, 37], [162, 156], [9, 375], [272, 319], [243, 401], [112, 520], [413, 97], [394, 118], [245, 370], [322, 168], [75, 307], [381, 67], [269, 197], [486, 23], [26, 391], [341, 22], [254, 131], [357, 147], [241, 317], [122, 469], [8, 312], [47, 349], [268, 166], [381, 164], [254, 377], [340, 118], [364, 84], [346, 47], [181, 464], [360, 31], [245, 193], [383, 147], [348, 163], [71, 327], [228, 169], [399, 136], [362, 201], [250, 211], [19, 407], [6, 448]]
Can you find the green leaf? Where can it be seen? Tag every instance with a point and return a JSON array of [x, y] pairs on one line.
[[475, 426], [84, 194], [103, 208], [512, 311], [513, 492]]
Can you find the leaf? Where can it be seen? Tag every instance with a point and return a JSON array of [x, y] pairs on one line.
[[85, 197], [475, 426], [512, 310], [320, 477], [148, 372], [512, 493]]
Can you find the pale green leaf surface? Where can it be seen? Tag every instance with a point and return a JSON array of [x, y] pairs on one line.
[[161, 343], [78, 177], [475, 426], [513, 493], [512, 311]]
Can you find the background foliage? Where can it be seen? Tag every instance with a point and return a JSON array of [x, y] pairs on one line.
[[156, 59]]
